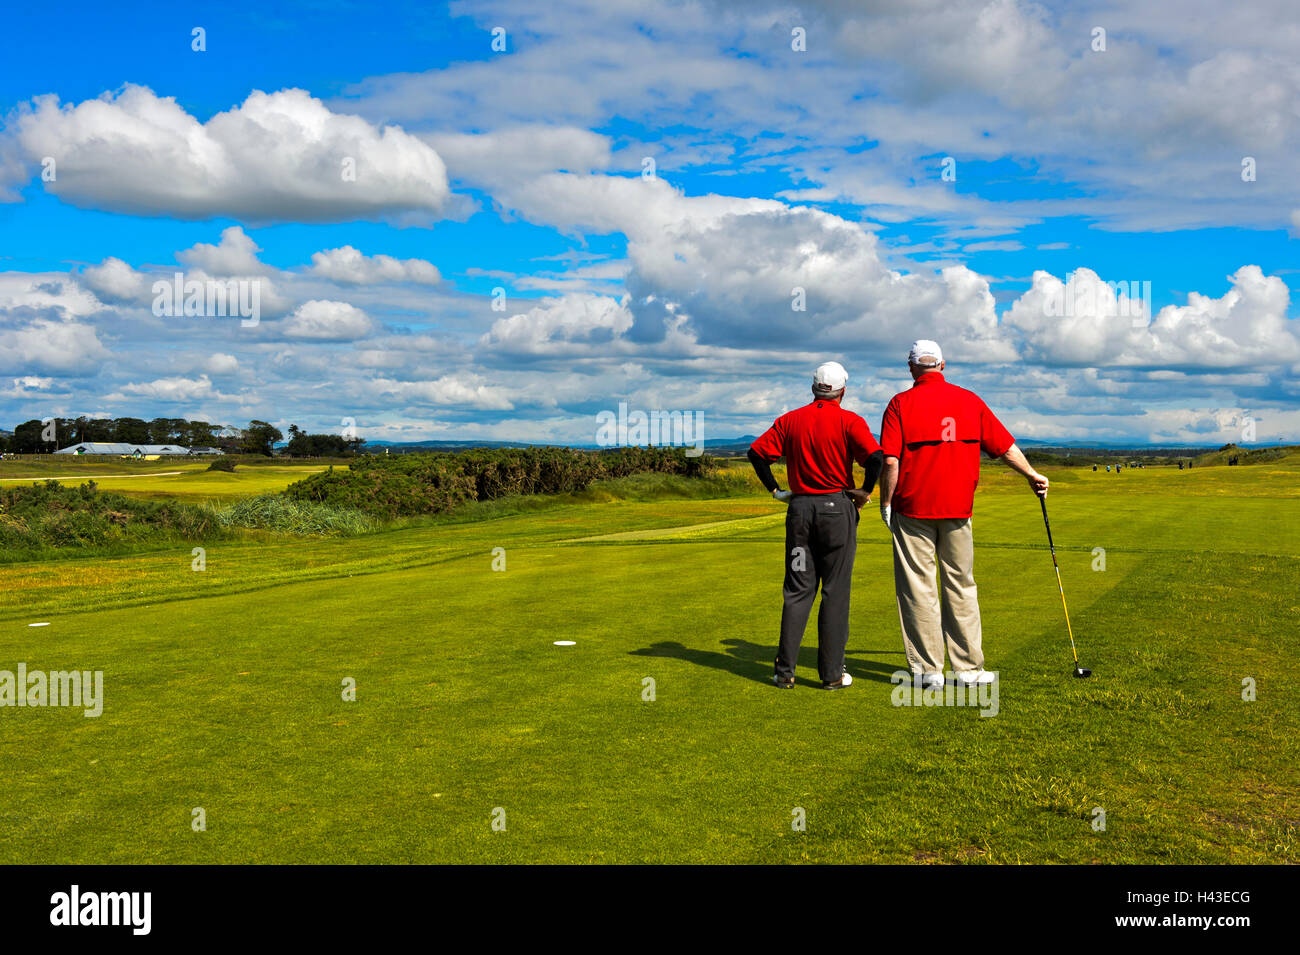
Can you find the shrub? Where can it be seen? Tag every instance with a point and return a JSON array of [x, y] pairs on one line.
[[400, 485]]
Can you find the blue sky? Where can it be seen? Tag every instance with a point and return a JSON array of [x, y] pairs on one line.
[[774, 169]]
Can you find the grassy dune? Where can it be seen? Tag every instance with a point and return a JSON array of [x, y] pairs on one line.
[[223, 689]]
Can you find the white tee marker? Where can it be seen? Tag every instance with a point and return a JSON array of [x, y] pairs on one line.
[[566, 643], [38, 625]]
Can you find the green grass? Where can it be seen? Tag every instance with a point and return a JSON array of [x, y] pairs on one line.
[[177, 479], [223, 689]]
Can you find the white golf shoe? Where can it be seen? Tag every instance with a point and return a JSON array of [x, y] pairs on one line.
[[975, 677]]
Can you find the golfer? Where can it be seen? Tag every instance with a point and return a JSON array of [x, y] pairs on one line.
[[932, 435], [819, 442]]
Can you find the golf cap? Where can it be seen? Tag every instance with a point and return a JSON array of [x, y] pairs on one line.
[[829, 378], [923, 350]]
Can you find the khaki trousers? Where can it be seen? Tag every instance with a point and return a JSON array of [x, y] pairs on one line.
[[928, 555]]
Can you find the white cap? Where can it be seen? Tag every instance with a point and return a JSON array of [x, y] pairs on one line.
[[925, 349], [829, 378]]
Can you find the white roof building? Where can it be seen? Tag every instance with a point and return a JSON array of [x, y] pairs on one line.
[[122, 448]]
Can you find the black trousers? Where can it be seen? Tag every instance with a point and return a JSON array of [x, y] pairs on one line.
[[821, 540]]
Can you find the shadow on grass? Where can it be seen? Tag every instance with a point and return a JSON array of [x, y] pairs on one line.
[[754, 661]]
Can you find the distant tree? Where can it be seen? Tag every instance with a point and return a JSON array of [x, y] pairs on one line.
[[304, 445], [94, 429], [201, 434], [131, 431], [260, 437], [27, 438], [167, 430]]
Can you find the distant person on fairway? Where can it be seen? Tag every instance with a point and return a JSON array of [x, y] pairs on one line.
[[819, 442], [932, 436]]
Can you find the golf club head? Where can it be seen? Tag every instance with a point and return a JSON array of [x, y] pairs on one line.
[[1082, 672]]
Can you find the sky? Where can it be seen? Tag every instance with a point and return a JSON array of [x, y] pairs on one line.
[[496, 220]]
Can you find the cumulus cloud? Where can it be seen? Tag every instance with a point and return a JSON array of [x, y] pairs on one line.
[[1095, 323], [114, 282], [235, 254], [465, 390], [350, 267], [758, 273], [222, 364], [322, 320], [276, 156], [173, 389], [560, 327], [52, 292], [63, 348], [1246, 325]]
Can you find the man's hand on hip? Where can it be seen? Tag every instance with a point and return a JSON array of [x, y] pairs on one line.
[[859, 496], [782, 496]]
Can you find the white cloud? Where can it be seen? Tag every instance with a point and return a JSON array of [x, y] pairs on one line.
[[467, 390], [327, 321], [173, 389], [1092, 323], [277, 156], [235, 254], [46, 291], [520, 151], [1246, 325], [116, 283], [222, 364], [565, 326], [53, 348], [349, 266]]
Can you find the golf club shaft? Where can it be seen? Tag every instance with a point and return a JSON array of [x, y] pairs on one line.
[[1059, 586]]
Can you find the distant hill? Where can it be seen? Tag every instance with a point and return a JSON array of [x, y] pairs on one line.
[[1246, 455], [736, 447], [722, 446]]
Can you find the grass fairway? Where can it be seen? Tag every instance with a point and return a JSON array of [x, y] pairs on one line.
[[166, 478], [224, 691]]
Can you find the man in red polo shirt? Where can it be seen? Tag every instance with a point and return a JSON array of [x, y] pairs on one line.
[[819, 442], [932, 435]]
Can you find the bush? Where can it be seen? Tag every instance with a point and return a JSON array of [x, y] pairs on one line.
[[408, 484], [223, 463], [51, 514]]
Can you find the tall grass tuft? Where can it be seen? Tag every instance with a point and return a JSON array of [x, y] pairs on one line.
[[278, 513]]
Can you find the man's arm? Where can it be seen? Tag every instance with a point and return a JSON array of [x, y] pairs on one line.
[[875, 461], [871, 466], [1015, 459], [763, 468], [888, 482]]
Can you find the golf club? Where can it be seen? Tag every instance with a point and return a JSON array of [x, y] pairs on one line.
[[1078, 670]]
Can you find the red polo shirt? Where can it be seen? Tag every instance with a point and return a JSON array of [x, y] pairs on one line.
[[819, 442], [937, 430]]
